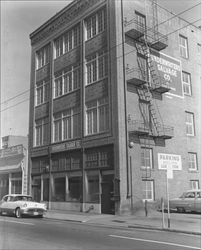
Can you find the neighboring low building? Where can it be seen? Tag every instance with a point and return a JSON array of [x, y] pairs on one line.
[[14, 165]]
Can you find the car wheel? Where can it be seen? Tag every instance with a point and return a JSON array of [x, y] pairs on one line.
[[17, 212], [180, 210]]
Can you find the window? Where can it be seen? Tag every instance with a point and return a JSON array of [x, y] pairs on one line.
[[96, 67], [97, 116], [95, 24], [42, 94], [67, 42], [41, 132], [92, 188], [192, 161], [141, 21], [67, 125], [186, 78], [194, 184], [190, 124], [42, 57], [60, 189], [146, 158], [148, 190], [75, 189], [183, 46], [66, 81]]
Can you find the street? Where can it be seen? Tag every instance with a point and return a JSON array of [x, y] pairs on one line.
[[34, 233]]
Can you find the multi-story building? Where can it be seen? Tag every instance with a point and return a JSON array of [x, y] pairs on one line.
[[114, 103], [14, 165]]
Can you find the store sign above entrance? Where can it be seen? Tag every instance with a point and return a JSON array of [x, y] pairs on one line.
[[170, 72], [172, 161], [66, 146], [15, 150]]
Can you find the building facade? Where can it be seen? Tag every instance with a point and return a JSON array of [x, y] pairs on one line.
[[114, 103], [14, 165]]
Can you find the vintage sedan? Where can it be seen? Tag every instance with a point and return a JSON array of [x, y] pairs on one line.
[[19, 205], [188, 201]]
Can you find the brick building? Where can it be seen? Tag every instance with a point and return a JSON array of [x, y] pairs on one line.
[[115, 101]]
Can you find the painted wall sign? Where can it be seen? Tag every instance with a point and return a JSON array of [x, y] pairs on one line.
[[166, 161], [66, 146], [170, 71], [15, 150]]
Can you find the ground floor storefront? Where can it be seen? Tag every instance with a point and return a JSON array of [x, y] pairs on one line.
[[76, 180], [13, 171]]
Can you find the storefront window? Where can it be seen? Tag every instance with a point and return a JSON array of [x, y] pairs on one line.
[[16, 186], [93, 189], [75, 189], [60, 187], [45, 189]]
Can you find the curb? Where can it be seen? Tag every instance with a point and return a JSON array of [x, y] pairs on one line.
[[129, 226]]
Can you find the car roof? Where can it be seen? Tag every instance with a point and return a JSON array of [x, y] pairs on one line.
[[14, 195], [194, 190]]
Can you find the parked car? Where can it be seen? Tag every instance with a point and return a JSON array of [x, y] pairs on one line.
[[18, 205], [188, 201]]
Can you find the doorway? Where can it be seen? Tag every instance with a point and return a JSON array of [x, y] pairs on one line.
[[107, 204]]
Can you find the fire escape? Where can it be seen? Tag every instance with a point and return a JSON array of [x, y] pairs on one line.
[[146, 80]]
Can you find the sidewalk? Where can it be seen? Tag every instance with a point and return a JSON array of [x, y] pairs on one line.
[[183, 223]]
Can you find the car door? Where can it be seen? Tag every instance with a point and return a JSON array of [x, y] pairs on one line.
[[5, 206], [198, 202], [189, 201]]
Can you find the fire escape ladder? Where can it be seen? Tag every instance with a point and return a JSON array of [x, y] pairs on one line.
[[145, 96]]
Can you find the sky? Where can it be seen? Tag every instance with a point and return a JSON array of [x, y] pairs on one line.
[[18, 20]]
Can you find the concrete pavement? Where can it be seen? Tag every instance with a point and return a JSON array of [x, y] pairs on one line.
[[183, 223]]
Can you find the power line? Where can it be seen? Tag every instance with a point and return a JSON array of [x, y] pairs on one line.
[[85, 72]]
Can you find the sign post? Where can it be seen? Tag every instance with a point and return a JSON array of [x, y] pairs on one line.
[[169, 176]]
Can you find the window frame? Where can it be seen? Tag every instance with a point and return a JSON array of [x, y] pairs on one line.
[[94, 65], [192, 184], [95, 24], [187, 85], [183, 49], [69, 115], [192, 162], [74, 74], [145, 191], [93, 113], [190, 125], [42, 125], [42, 56], [43, 86], [143, 151]]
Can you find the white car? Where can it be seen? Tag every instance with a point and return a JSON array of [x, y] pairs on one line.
[[18, 205], [188, 201]]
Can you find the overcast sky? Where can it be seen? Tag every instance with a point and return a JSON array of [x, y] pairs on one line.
[[18, 20]]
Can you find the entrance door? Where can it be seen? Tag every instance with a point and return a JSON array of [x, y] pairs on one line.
[[107, 204]]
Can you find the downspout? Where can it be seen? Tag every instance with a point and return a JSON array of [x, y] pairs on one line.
[[125, 100]]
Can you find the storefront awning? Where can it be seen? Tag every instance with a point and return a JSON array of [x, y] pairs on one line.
[[8, 164]]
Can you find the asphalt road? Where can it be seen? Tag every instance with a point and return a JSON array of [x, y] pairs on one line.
[[42, 234]]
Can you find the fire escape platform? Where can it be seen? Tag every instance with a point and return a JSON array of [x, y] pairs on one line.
[[138, 128], [136, 77], [134, 33], [159, 45], [165, 132], [161, 88]]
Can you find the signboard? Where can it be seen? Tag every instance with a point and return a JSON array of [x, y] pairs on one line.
[[15, 150], [172, 161], [169, 173], [170, 71], [66, 146]]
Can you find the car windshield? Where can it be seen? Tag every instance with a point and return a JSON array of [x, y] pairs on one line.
[[183, 195], [23, 198]]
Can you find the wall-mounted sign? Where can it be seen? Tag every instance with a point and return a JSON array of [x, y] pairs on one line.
[[66, 146], [172, 161], [169, 71], [15, 150]]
